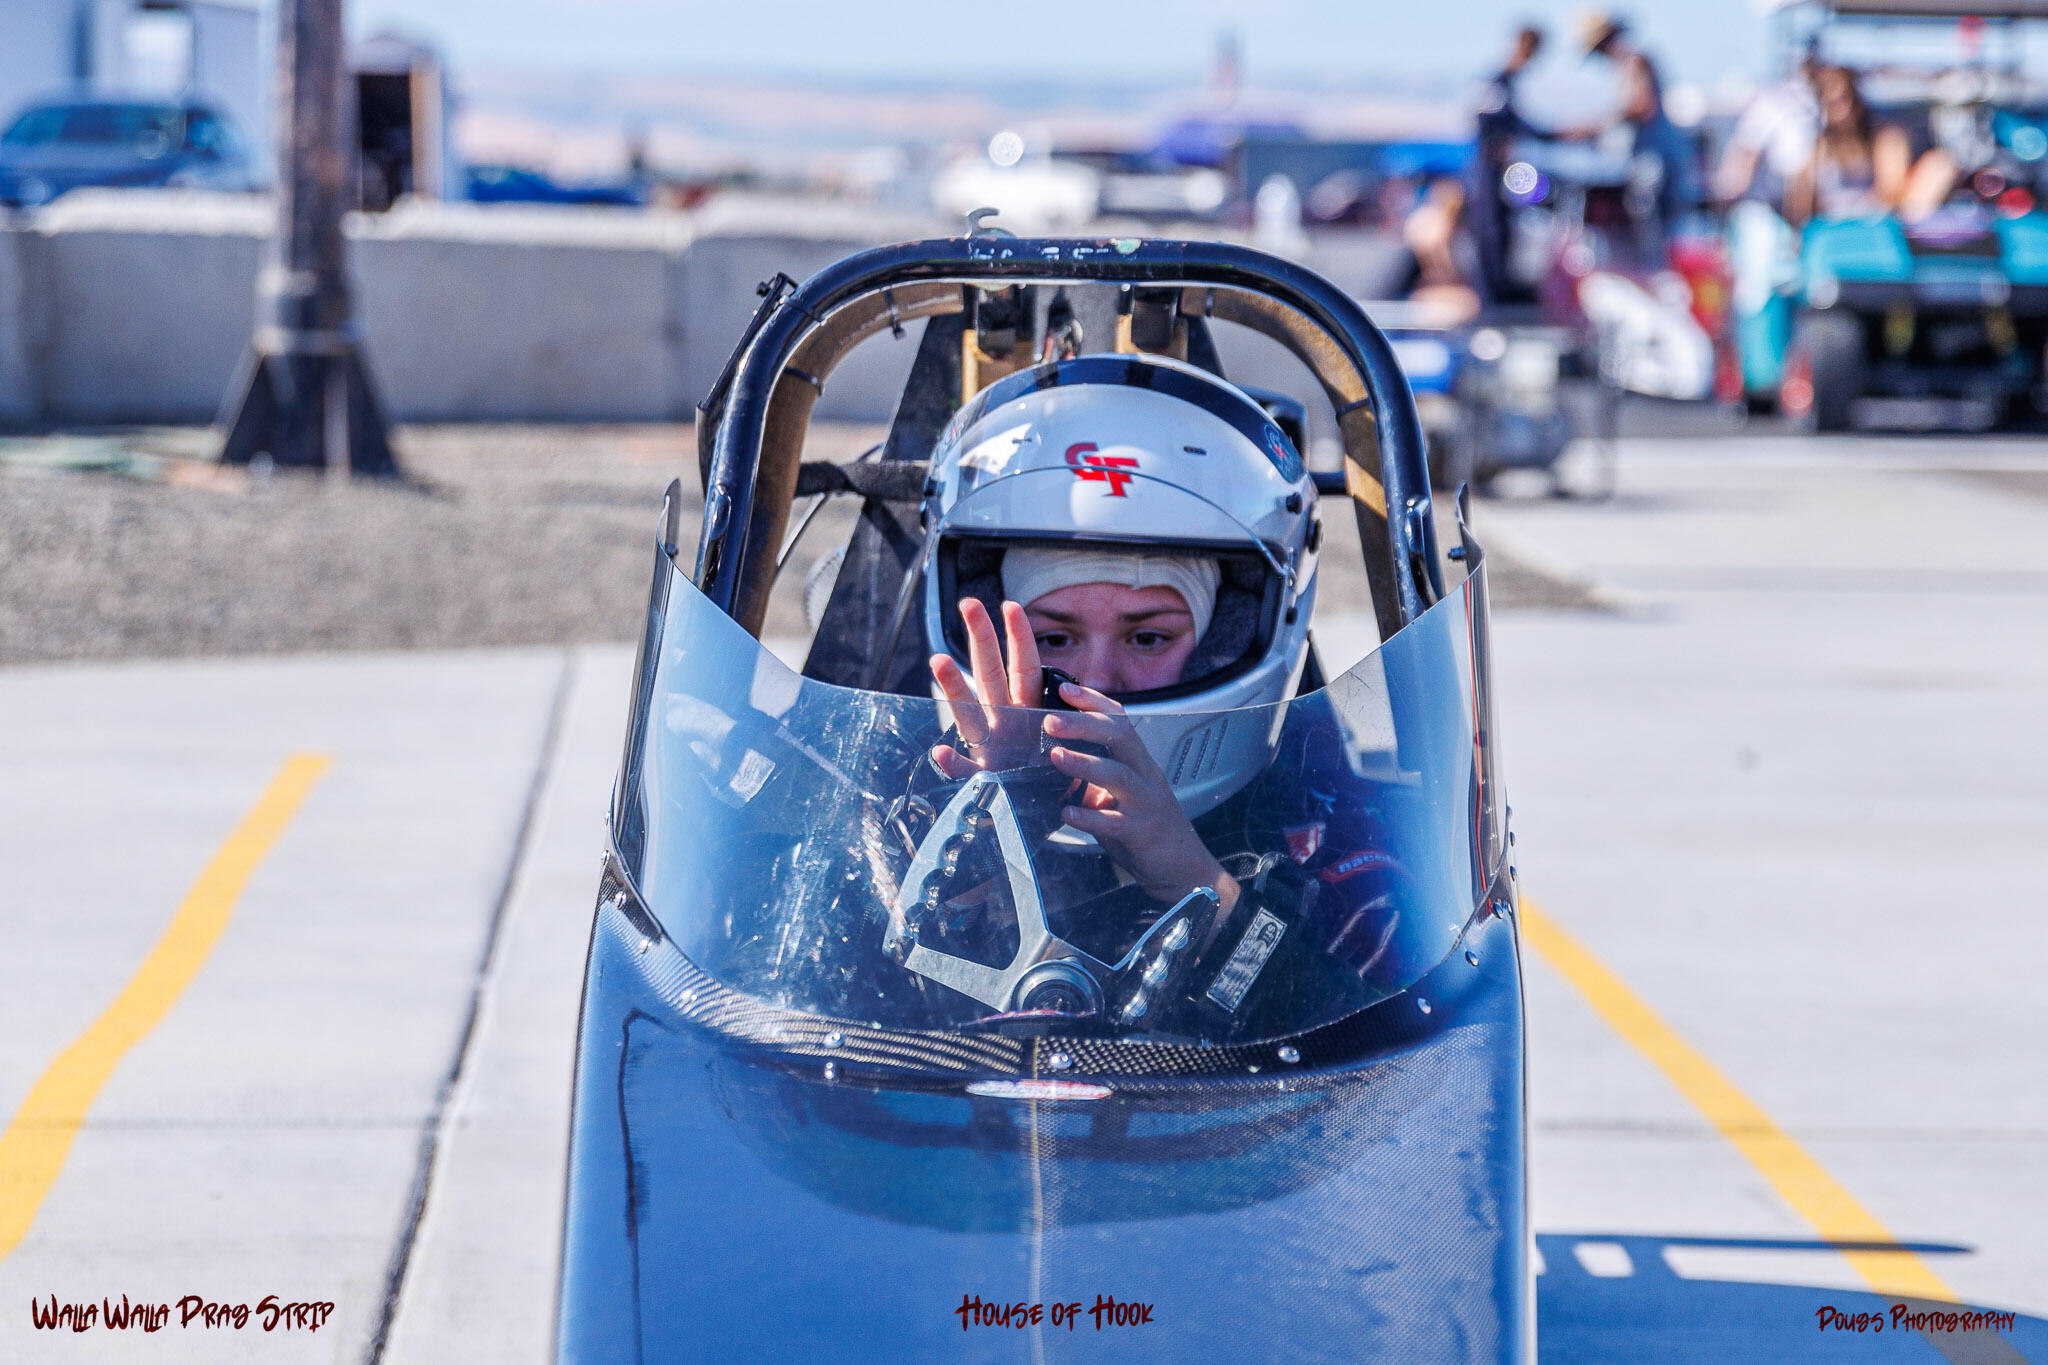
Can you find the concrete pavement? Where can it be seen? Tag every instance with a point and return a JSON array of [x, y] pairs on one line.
[[1790, 790], [481, 1283], [1792, 794], [263, 1139]]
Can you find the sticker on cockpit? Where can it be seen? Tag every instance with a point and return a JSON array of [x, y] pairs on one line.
[[1247, 960], [1353, 864], [1303, 841], [751, 774]]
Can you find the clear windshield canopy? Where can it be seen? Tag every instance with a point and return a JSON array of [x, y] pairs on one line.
[[800, 845]]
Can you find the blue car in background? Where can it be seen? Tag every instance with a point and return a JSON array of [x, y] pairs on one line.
[[517, 185], [58, 145]]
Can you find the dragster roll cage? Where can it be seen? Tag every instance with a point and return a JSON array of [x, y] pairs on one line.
[[757, 415]]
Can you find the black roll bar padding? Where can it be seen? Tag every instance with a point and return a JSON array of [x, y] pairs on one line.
[[772, 292], [728, 560], [884, 480]]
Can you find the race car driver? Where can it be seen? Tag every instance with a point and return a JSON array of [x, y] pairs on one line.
[[1146, 537], [1109, 623]]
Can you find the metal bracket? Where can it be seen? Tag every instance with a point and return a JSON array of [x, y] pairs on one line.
[[977, 225], [1416, 527]]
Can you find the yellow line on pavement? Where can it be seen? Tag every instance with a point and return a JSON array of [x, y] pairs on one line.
[[34, 1147], [1800, 1180]]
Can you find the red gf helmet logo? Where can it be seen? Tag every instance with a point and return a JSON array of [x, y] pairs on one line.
[[1107, 469]]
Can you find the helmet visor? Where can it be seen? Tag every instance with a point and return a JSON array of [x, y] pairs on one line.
[[1255, 586]]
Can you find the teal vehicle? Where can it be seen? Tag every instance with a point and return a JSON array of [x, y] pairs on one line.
[[1941, 321]]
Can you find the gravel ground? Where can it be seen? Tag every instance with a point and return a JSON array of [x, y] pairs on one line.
[[128, 544]]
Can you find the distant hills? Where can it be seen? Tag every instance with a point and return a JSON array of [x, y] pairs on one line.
[[791, 127]]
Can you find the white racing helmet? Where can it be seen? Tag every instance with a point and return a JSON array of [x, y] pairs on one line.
[[1141, 454]]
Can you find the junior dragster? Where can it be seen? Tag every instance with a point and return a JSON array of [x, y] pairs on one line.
[[1003, 985]]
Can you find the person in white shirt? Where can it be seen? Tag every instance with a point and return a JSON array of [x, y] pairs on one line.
[[1773, 140]]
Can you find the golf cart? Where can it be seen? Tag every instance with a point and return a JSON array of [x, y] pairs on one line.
[[1937, 322]]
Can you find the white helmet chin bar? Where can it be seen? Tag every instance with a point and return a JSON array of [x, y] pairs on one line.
[[1046, 974]]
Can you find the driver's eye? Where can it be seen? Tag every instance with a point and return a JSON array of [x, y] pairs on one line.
[[1149, 639], [1054, 639]]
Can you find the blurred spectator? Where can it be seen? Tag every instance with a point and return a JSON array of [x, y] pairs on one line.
[[1859, 168], [1656, 148], [1773, 139], [385, 166], [1489, 211], [1442, 273]]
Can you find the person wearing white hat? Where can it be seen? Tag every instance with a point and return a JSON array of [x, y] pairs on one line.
[[1656, 146]]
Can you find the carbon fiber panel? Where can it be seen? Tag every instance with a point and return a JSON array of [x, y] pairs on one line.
[[729, 1201]]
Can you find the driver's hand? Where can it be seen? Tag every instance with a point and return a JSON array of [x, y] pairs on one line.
[[993, 734], [1127, 803]]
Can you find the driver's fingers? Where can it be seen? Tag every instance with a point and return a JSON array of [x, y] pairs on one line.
[[1089, 700], [966, 709], [984, 653], [1027, 680], [1113, 777], [1091, 725], [953, 763], [1082, 728], [1101, 823]]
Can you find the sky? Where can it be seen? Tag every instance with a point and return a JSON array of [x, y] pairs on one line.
[[934, 42]]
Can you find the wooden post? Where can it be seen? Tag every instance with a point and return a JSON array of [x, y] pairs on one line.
[[303, 395]]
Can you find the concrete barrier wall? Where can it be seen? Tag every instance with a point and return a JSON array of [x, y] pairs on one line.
[[136, 306], [123, 307], [512, 324], [720, 276], [139, 307], [18, 399]]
